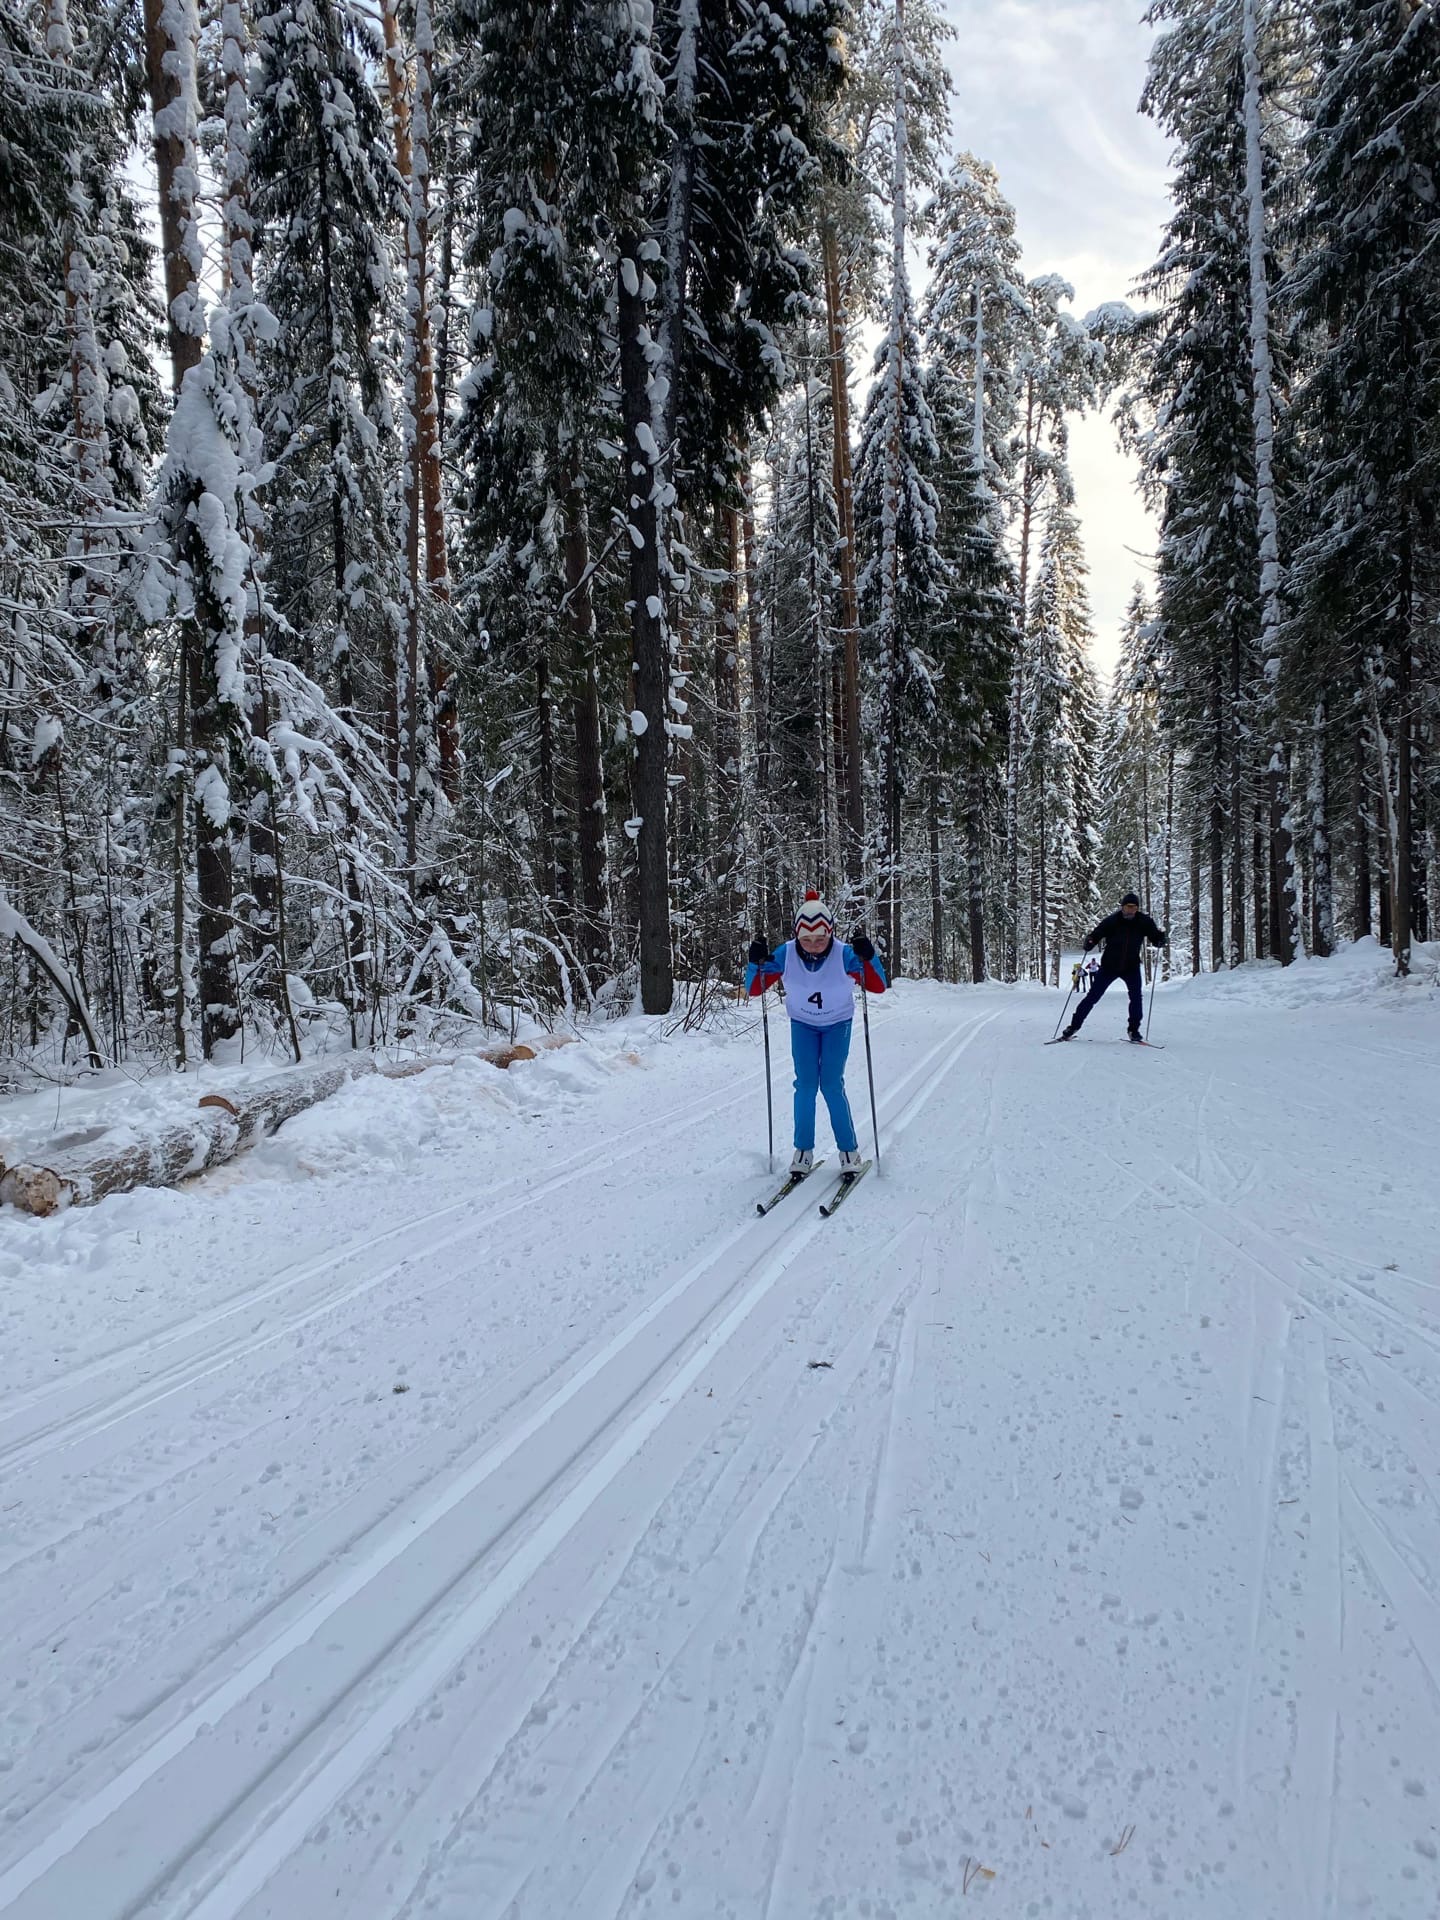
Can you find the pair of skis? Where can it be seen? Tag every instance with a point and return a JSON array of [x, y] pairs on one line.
[[1156, 1045], [848, 1181]]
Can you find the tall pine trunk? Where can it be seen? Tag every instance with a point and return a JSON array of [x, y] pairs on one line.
[[418, 399], [765, 906], [650, 653], [1362, 921], [1284, 915], [265, 875], [1402, 913], [975, 870], [1217, 881], [429, 423], [1237, 808], [593, 904], [205, 630], [1322, 883], [937, 903], [168, 63], [357, 966], [730, 842], [849, 716], [1015, 730], [1169, 854], [546, 878], [891, 634]]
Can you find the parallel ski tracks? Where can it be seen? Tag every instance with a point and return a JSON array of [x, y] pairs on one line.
[[271, 1803], [47, 1432]]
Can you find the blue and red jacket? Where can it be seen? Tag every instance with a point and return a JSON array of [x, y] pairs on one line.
[[869, 973]]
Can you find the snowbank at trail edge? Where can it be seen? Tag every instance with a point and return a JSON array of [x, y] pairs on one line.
[[1362, 971]]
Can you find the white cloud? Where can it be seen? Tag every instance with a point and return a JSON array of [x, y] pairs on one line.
[[1049, 94]]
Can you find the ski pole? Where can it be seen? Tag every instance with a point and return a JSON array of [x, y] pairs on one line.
[[769, 1104], [1154, 977], [1063, 1011], [870, 1072]]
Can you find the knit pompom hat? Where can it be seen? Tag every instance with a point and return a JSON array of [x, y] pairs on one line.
[[813, 915]]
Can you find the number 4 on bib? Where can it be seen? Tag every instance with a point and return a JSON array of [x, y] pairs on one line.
[[816, 1001]]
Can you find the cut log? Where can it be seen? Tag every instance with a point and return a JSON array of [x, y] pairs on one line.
[[87, 1170]]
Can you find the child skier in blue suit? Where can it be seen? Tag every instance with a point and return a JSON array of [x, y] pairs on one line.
[[817, 973]]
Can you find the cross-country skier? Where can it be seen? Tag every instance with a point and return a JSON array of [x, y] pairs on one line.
[[817, 971], [1123, 936]]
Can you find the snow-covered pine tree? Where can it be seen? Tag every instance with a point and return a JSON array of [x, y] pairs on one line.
[[327, 200], [1259, 183], [1201, 454], [746, 92], [259, 864], [1366, 287], [82, 409], [1057, 370], [203, 563], [902, 572], [1058, 771], [566, 144], [979, 329], [1134, 769], [803, 597], [41, 654], [861, 123], [970, 639], [978, 313], [895, 505]]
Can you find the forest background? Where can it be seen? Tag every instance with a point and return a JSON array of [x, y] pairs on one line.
[[552, 481]]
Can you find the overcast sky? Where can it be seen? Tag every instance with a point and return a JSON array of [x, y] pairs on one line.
[[1047, 91]]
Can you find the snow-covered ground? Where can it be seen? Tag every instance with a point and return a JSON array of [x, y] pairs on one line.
[[464, 1507]]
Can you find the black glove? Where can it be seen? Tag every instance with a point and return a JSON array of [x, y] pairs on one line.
[[862, 948], [1164, 938], [759, 952], [1088, 945]]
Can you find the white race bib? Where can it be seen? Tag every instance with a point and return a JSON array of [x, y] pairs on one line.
[[822, 996]]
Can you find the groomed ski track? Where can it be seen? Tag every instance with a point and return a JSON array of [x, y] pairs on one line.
[[1097, 1551]]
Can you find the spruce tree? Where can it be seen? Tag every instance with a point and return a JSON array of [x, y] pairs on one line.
[[1366, 287], [1202, 452], [326, 202], [1061, 740]]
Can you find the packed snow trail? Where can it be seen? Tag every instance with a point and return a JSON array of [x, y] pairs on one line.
[[1061, 1522]]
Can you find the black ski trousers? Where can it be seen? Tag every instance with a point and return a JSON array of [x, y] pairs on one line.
[[1103, 980]]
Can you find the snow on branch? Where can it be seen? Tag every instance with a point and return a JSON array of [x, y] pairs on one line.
[[14, 926]]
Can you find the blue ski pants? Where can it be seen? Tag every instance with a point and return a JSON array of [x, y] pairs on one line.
[[1102, 981], [819, 1054]]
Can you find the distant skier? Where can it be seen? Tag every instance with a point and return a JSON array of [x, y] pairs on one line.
[[1082, 974], [1122, 936], [816, 972]]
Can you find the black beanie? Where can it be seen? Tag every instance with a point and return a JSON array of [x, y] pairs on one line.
[[1131, 900]]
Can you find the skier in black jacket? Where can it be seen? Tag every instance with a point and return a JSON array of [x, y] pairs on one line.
[[1123, 936]]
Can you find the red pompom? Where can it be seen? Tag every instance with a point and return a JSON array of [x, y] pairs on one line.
[[811, 894]]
